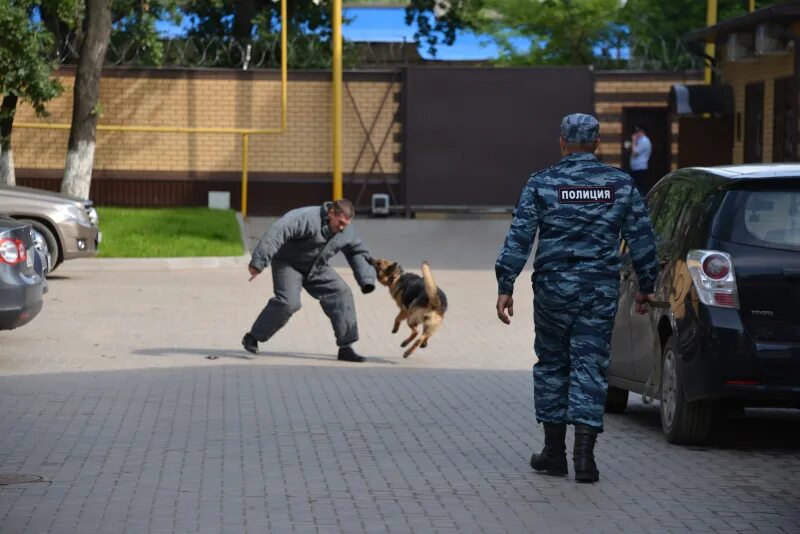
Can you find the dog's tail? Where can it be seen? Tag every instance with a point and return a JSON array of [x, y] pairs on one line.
[[430, 285]]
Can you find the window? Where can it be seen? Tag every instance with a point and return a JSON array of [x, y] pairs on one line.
[[698, 208], [766, 218], [654, 199], [668, 212]]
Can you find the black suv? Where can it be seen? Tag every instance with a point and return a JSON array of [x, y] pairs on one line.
[[729, 243]]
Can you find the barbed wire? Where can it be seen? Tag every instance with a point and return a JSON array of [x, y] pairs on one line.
[[662, 54], [304, 52], [310, 52]]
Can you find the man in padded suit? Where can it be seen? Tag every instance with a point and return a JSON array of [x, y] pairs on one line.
[[299, 246]]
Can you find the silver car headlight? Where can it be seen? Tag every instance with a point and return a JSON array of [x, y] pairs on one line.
[[93, 218], [71, 212]]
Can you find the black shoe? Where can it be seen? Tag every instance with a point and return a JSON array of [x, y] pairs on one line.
[[583, 454], [347, 354], [250, 343], [553, 458]]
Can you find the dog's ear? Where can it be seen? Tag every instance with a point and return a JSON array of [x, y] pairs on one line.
[[392, 268]]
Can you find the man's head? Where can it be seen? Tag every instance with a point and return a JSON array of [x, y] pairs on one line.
[[638, 129], [579, 133], [340, 214]]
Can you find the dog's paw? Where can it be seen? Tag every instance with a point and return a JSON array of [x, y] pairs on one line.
[[405, 343], [395, 329], [407, 353]]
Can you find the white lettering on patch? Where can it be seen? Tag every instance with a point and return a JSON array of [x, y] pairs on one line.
[[585, 195]]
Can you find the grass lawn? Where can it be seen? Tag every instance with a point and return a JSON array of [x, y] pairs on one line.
[[168, 232]]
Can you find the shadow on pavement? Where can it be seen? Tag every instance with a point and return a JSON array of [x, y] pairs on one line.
[[208, 353], [761, 428], [213, 354]]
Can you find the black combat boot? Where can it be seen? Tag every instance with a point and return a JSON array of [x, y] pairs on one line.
[[347, 354], [250, 343], [583, 454], [553, 458]]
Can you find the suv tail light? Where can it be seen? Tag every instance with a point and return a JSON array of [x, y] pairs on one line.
[[714, 277], [12, 251]]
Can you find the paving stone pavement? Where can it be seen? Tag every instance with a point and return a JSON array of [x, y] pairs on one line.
[[111, 396]]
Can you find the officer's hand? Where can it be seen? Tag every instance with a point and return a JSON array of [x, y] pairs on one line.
[[505, 302], [253, 272], [642, 300]]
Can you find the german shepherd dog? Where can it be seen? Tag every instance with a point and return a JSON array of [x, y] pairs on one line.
[[418, 298]]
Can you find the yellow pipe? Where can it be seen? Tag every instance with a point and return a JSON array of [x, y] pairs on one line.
[[337, 99], [284, 66], [152, 129], [245, 145], [711, 19], [752, 5], [204, 130]]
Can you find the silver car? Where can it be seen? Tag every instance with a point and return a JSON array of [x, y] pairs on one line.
[[64, 227]]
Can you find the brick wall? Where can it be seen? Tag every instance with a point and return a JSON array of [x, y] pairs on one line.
[[285, 169], [617, 90], [233, 99]]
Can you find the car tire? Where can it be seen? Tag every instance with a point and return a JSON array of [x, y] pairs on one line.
[[50, 239], [616, 400], [683, 422]]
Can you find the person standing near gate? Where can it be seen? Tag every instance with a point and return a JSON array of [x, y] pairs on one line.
[[641, 150], [580, 207], [299, 246]]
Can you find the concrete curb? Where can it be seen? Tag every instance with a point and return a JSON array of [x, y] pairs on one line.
[[153, 264], [166, 264]]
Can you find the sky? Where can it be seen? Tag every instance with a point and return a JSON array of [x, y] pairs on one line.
[[388, 24]]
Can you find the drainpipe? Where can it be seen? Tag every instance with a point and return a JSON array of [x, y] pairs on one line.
[[337, 99]]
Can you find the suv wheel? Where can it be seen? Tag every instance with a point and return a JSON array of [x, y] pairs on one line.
[[616, 400], [682, 421]]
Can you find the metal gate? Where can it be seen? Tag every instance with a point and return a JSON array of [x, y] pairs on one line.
[[473, 136]]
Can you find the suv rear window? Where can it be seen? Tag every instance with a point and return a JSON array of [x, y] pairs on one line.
[[769, 218]]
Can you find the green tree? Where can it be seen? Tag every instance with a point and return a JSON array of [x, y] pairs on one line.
[[25, 72], [134, 34], [233, 24], [438, 20], [657, 29], [558, 32]]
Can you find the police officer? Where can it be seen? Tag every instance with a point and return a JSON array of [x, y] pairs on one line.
[[579, 206], [299, 246]]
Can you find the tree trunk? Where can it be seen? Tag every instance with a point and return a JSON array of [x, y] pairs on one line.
[[86, 99], [7, 110]]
